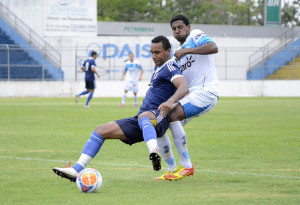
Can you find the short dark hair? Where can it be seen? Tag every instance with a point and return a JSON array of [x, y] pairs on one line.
[[165, 42], [180, 17], [93, 53]]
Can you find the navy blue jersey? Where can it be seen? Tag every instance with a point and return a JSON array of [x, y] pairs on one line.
[[88, 64], [161, 86]]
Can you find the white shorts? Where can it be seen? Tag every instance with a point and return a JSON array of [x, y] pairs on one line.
[[196, 103], [132, 86]]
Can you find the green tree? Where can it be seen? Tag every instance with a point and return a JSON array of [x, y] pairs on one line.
[[249, 12], [290, 14]]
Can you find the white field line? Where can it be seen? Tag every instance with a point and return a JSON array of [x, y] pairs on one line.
[[54, 104], [144, 166]]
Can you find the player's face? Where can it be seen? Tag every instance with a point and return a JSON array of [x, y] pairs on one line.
[[180, 30], [159, 54], [131, 57]]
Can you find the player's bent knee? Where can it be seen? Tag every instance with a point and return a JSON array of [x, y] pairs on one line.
[[147, 114], [110, 130], [177, 114]]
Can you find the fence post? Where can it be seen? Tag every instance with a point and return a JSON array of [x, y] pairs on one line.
[[43, 66], [293, 68], [225, 64], [8, 65], [76, 47]]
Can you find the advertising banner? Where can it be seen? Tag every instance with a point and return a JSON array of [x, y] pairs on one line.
[[272, 13], [70, 18]]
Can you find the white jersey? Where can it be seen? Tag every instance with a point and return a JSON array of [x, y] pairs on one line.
[[199, 70], [133, 70]]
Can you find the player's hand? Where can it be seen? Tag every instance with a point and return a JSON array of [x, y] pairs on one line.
[[122, 78], [165, 108], [98, 75], [140, 78], [179, 54]]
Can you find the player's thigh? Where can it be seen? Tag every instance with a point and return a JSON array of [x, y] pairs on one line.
[[177, 113], [110, 130], [198, 103], [128, 86]]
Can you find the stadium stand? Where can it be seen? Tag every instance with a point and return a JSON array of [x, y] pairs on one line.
[[277, 59], [23, 56]]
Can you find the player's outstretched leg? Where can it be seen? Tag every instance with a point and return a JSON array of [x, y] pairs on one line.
[[89, 151]]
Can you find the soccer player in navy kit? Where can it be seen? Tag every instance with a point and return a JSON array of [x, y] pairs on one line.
[[89, 67], [167, 86]]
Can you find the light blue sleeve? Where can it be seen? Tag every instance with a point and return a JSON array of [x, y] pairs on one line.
[[203, 40]]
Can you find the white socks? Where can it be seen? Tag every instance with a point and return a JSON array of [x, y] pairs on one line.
[[152, 145], [135, 99], [179, 140], [84, 159], [165, 149], [124, 98]]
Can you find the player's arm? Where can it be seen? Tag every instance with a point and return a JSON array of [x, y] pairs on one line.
[[82, 68], [141, 74], [182, 90], [205, 49], [124, 73], [93, 68]]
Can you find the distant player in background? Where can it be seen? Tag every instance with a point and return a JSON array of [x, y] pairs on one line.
[[197, 65], [167, 86], [89, 67], [134, 72]]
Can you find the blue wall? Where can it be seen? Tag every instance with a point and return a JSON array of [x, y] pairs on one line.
[[57, 74], [273, 63]]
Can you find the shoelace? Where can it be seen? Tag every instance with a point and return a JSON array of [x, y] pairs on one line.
[[68, 166]]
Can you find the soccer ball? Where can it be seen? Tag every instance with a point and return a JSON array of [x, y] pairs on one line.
[[89, 180]]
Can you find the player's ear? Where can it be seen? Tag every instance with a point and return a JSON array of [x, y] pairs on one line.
[[189, 27], [168, 51]]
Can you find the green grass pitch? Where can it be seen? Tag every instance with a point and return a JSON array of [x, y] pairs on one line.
[[245, 151]]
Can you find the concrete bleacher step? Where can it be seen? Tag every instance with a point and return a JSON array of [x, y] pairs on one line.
[[290, 71], [19, 56]]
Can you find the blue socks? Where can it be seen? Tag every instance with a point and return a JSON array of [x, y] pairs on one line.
[[89, 151], [89, 98], [148, 129], [93, 145], [84, 93]]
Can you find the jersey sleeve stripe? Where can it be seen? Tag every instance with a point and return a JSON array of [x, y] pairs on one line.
[[176, 76], [170, 66]]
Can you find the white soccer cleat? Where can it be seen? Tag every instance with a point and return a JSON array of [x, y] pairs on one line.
[[68, 173], [76, 98], [86, 106]]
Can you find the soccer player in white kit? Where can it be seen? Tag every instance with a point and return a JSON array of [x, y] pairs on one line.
[[134, 72], [197, 65]]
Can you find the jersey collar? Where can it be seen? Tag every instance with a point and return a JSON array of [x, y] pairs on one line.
[[160, 67]]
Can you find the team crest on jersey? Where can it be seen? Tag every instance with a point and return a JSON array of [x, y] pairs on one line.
[[155, 75], [188, 64], [199, 35]]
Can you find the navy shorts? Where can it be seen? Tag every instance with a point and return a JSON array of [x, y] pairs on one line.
[[134, 134], [90, 84]]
